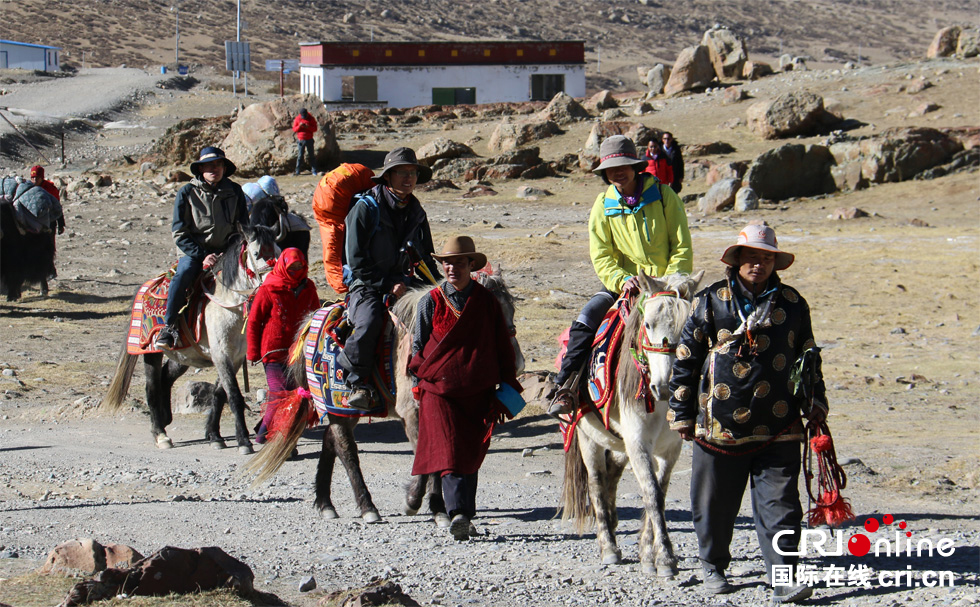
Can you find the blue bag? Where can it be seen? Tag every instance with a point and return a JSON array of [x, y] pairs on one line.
[[510, 398]]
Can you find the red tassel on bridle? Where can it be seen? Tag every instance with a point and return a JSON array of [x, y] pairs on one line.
[[831, 508]]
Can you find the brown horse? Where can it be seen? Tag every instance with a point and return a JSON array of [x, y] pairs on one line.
[[338, 439]]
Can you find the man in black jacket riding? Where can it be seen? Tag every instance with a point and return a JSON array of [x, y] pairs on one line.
[[380, 224]]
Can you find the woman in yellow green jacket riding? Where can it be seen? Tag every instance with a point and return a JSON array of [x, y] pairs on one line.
[[636, 223]]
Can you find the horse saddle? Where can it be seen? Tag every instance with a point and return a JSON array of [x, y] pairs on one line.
[[329, 329], [150, 308]]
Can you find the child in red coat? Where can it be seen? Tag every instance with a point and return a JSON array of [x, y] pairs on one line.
[[281, 305]]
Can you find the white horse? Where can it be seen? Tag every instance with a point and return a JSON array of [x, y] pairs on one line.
[[239, 272], [597, 457]]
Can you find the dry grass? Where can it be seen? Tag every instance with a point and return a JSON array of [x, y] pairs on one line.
[[36, 590]]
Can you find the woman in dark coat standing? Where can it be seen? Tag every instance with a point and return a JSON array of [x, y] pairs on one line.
[[461, 351]]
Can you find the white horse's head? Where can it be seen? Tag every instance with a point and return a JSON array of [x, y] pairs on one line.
[[666, 306]]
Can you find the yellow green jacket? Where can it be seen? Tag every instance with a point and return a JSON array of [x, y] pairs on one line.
[[653, 235]]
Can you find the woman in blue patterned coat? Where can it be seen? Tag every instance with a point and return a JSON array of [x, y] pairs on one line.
[[732, 394]]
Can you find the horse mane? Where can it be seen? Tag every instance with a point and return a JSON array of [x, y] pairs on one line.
[[226, 267], [265, 212], [627, 372]]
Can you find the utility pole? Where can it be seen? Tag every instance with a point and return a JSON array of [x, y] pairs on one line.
[[177, 36]]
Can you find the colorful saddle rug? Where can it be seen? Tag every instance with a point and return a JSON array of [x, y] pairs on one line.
[[323, 344], [150, 307], [600, 383]]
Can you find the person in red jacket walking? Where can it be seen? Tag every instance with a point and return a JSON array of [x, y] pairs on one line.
[[304, 126], [658, 164], [281, 305]]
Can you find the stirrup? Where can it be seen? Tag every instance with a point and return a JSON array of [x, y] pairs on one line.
[[564, 403]]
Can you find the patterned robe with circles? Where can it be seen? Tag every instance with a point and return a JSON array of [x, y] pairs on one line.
[[729, 395]]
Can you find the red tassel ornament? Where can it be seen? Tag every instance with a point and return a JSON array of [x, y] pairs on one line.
[[831, 508]]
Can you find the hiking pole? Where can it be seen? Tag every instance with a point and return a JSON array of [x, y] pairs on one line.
[[416, 260]]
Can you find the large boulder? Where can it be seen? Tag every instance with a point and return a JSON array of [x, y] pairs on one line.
[[692, 70], [753, 70], [83, 555], [968, 44], [168, 571], [603, 100], [193, 397], [746, 200], [563, 109], [181, 144], [657, 79], [261, 140], [512, 135], [719, 197], [790, 114], [638, 133], [944, 43], [440, 148], [897, 154], [726, 170], [727, 52], [790, 171]]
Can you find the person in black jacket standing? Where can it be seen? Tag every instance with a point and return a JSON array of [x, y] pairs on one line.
[[380, 225], [673, 151]]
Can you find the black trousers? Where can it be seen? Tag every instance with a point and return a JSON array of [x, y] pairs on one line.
[[717, 484], [367, 313], [459, 491], [582, 334]]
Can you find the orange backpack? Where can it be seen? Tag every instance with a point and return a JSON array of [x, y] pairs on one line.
[[331, 203]]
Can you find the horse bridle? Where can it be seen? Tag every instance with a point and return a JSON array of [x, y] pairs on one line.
[[643, 344]]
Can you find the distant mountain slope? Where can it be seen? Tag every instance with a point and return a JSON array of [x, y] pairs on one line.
[[141, 32]]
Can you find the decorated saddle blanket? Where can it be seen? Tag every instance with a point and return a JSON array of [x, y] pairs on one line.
[[150, 307], [328, 331]]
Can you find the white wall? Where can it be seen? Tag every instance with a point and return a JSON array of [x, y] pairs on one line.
[[412, 86], [31, 57]]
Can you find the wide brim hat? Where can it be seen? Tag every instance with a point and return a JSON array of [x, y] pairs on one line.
[[762, 237], [212, 153], [462, 246], [403, 157], [615, 151]]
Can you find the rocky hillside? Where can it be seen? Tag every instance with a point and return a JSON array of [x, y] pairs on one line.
[[618, 35]]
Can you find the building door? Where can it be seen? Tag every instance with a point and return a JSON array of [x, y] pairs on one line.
[[453, 96], [3, 59], [546, 86]]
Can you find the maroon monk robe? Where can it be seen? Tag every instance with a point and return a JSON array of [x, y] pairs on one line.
[[458, 370]]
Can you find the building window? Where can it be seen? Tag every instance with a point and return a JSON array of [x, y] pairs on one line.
[[421, 52], [546, 86], [356, 53], [388, 53], [454, 53], [359, 88], [552, 53], [520, 52], [486, 52], [453, 96]]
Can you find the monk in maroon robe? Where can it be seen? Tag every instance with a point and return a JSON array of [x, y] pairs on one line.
[[461, 352]]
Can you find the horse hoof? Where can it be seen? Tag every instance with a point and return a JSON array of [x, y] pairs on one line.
[[442, 520], [666, 572], [164, 442], [329, 513], [245, 450], [217, 445], [612, 559], [371, 516]]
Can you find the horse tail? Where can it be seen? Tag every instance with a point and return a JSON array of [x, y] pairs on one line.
[[293, 414], [576, 505], [119, 386]]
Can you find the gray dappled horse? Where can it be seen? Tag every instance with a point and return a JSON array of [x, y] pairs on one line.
[[238, 274], [598, 456], [338, 437]]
